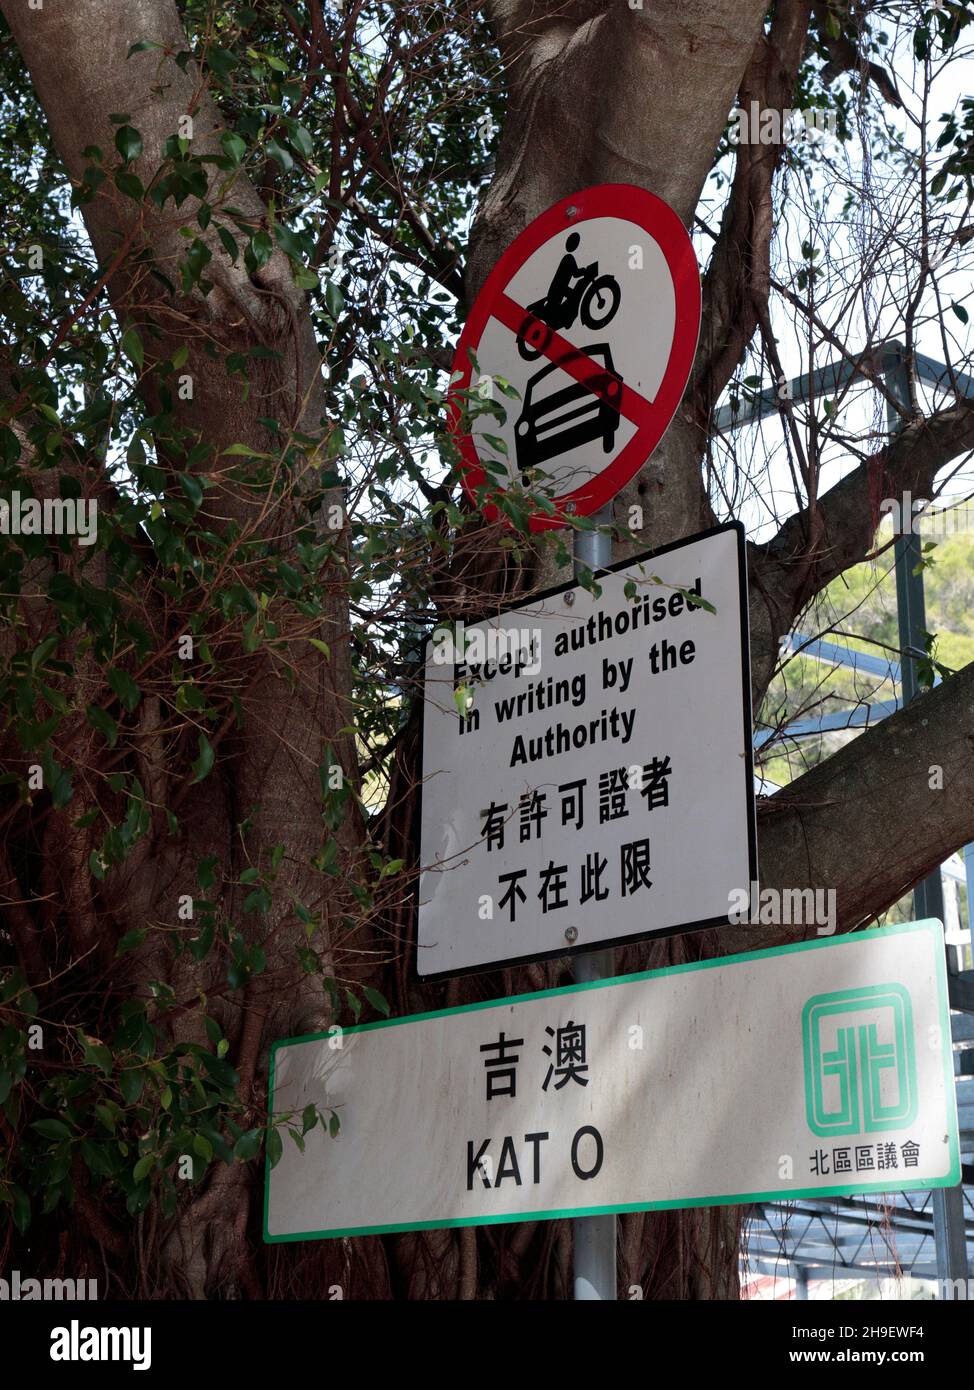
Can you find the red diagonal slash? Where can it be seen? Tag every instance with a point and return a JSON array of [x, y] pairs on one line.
[[586, 370]]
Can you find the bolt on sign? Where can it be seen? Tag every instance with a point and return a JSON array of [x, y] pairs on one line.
[[818, 1069], [587, 774], [581, 344]]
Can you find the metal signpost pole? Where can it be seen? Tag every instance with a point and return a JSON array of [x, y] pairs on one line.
[[616, 301], [928, 897], [595, 1236]]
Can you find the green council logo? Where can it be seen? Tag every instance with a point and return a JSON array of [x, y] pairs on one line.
[[860, 1063]]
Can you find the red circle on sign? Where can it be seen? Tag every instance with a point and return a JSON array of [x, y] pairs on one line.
[[627, 203]]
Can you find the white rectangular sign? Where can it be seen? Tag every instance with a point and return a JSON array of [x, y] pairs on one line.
[[587, 773], [818, 1069]]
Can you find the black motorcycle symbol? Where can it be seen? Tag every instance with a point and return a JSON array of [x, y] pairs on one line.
[[575, 292]]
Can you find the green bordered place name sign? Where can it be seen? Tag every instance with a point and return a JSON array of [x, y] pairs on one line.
[[819, 1069]]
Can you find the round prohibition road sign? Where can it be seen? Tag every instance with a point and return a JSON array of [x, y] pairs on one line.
[[591, 316]]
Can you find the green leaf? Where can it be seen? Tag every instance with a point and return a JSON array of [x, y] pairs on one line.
[[247, 1146], [51, 1129], [261, 247], [275, 150], [245, 451], [40, 654], [505, 386], [51, 1198], [229, 243], [221, 60], [124, 687], [107, 1115], [960, 311], [128, 142], [61, 791], [131, 1082], [130, 184], [144, 1167], [133, 348], [203, 1147], [204, 763], [222, 1073], [193, 489], [288, 242], [131, 940], [98, 1055], [377, 1000], [102, 721], [233, 147], [301, 140], [275, 1147], [327, 861], [138, 1199], [198, 257], [96, 1158]]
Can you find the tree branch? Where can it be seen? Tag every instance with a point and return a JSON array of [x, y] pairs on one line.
[[738, 279], [850, 510], [875, 818]]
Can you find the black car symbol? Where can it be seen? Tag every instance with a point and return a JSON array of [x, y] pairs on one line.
[[556, 418]]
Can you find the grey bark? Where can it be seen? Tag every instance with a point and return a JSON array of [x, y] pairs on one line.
[[77, 55]]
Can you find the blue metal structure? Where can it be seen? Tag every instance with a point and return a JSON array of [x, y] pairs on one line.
[[926, 1234]]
